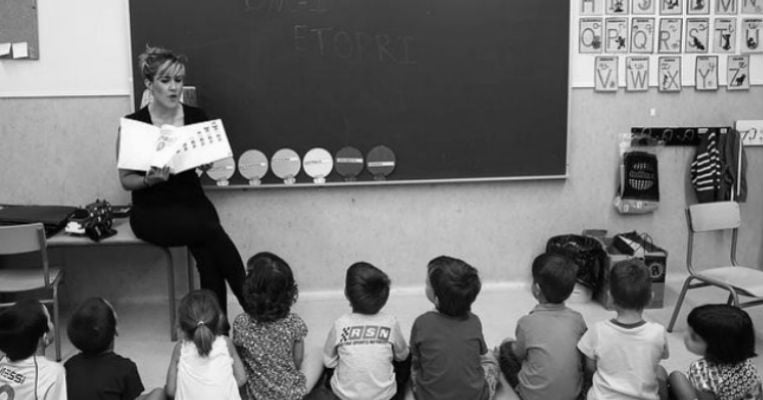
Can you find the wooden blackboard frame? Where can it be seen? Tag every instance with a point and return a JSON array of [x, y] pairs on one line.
[[497, 110]]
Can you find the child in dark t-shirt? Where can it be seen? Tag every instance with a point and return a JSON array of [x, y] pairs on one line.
[[450, 360], [97, 373]]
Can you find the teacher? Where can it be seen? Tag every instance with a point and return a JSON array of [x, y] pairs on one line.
[[172, 209]]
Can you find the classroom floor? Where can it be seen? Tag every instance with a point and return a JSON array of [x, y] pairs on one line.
[[143, 328]]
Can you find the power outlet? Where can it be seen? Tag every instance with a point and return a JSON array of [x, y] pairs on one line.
[[751, 131]]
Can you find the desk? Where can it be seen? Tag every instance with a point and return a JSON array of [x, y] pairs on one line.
[[125, 237]]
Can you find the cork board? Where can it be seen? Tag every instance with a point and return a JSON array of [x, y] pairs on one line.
[[18, 25]]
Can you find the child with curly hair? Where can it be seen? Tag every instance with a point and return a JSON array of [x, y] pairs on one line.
[[268, 336]]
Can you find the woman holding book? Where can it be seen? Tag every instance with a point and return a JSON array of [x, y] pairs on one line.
[[172, 209]]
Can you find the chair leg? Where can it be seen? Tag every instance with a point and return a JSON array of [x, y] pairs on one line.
[[56, 323], [734, 297], [679, 302], [730, 300]]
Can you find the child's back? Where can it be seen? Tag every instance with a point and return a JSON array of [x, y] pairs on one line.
[[268, 336], [450, 359], [543, 362], [624, 353], [24, 375], [97, 373], [362, 345], [206, 377]]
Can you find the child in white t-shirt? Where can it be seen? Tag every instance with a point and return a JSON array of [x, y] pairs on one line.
[[623, 354], [366, 348], [25, 328], [205, 364]]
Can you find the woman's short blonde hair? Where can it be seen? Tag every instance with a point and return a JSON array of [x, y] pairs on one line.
[[157, 60]]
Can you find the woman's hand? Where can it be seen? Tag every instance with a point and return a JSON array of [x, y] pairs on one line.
[[156, 175]]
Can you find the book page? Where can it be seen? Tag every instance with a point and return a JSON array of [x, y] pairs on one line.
[[136, 141], [205, 143]]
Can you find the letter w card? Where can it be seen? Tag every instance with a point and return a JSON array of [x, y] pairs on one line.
[[637, 74], [605, 74]]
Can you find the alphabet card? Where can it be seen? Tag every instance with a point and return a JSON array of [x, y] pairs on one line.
[[643, 7], [697, 35], [726, 7], [738, 73], [706, 73], [695, 7], [725, 35], [637, 74], [752, 7], [616, 40], [605, 74], [751, 28], [671, 7], [590, 35], [669, 74], [670, 35], [617, 7], [642, 35], [591, 7]]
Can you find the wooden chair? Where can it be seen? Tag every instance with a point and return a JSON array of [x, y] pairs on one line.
[[39, 279], [737, 280]]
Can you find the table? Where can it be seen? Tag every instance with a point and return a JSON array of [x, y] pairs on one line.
[[125, 237]]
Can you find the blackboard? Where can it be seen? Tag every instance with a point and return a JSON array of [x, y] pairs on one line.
[[458, 89]]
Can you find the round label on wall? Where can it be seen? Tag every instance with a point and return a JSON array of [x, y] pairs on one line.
[[253, 165], [318, 164], [349, 163], [286, 164], [380, 162], [222, 170]]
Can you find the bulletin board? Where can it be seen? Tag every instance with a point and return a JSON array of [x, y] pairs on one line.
[[670, 45], [18, 30], [458, 90]]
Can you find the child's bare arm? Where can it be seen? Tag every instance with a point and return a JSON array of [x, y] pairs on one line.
[[299, 352], [682, 389], [172, 372], [238, 367]]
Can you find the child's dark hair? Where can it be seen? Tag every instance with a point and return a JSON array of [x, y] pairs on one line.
[[92, 326], [727, 331], [199, 315], [455, 283], [21, 327], [555, 274], [366, 287], [269, 288], [630, 284]]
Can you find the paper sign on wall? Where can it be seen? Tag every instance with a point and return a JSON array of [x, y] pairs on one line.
[[725, 35], [697, 35], [669, 74], [738, 72], [590, 35], [751, 35], [616, 35], [671, 7], [637, 74], [643, 7], [706, 73], [642, 35], [606, 74], [669, 36]]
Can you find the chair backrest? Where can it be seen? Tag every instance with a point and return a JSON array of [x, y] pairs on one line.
[[17, 239], [714, 216]]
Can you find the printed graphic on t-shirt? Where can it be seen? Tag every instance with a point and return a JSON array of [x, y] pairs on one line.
[[11, 375], [364, 334]]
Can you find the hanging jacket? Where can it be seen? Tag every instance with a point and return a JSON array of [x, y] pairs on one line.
[[715, 169]]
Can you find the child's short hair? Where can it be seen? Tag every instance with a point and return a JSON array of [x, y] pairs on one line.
[[630, 284], [555, 274], [199, 316], [455, 283], [269, 288], [21, 327], [727, 331], [366, 287], [92, 326]]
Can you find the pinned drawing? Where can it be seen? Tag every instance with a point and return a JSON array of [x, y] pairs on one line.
[[751, 35], [725, 35], [642, 35], [643, 7], [669, 36], [697, 35], [669, 74], [697, 7], [605, 74], [616, 35], [590, 35], [706, 73], [637, 74], [738, 73], [671, 7]]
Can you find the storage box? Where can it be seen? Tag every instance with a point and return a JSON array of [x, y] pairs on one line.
[[654, 257]]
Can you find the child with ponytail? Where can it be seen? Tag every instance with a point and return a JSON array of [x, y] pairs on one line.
[[204, 364]]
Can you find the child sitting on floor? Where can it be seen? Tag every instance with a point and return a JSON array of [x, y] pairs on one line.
[[543, 361]]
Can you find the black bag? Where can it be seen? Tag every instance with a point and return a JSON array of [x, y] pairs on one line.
[[586, 252], [96, 219]]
